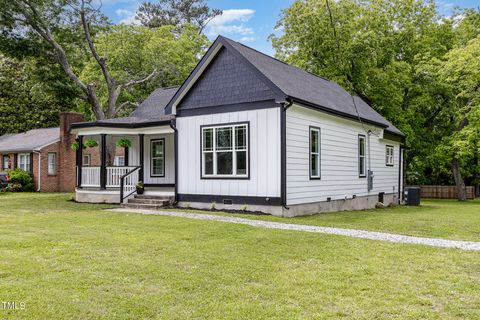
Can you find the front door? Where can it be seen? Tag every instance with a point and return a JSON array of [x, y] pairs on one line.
[[159, 160]]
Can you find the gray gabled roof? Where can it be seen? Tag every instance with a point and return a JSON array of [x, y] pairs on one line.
[[150, 112], [30, 140], [289, 82]]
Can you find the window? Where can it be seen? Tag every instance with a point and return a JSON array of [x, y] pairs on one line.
[[6, 162], [119, 161], [389, 155], [24, 161], [314, 153], [361, 156], [225, 151], [52, 163], [86, 158], [157, 158]]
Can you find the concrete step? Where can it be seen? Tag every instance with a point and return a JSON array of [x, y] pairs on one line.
[[143, 206], [153, 197], [163, 202]]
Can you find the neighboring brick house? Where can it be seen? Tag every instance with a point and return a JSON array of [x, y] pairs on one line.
[[46, 153]]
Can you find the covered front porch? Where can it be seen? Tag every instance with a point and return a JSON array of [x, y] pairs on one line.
[[112, 160]]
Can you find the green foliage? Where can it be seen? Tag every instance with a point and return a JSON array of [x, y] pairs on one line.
[[90, 143], [134, 51], [124, 143], [176, 13], [23, 178]]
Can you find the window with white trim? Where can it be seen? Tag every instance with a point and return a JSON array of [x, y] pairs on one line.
[[157, 158], [389, 155], [24, 161], [52, 163], [362, 159], [314, 153], [225, 151], [6, 162], [119, 161], [86, 160]]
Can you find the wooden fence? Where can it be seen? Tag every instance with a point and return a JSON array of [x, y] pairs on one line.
[[444, 192]]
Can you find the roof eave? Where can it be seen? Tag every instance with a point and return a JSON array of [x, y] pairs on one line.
[[81, 125]]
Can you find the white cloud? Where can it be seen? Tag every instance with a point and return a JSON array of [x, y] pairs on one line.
[[232, 21], [247, 39], [127, 16]]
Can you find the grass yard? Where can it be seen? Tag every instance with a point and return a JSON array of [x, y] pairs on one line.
[[76, 261], [447, 219]]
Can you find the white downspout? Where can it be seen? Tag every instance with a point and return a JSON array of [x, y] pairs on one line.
[[39, 169]]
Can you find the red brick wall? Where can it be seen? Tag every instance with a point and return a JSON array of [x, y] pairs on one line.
[[48, 183], [66, 156]]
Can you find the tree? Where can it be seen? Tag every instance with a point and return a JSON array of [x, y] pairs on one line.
[[176, 13], [26, 97], [135, 50], [37, 21]]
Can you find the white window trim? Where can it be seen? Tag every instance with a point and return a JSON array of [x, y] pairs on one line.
[[27, 161], [158, 175], [116, 161], [317, 154], [54, 164], [234, 174], [389, 155], [89, 162], [360, 156], [5, 158]]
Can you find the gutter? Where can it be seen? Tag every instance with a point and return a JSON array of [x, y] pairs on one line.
[[283, 153], [39, 169]]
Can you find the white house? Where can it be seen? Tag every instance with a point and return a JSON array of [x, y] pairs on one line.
[[248, 132]]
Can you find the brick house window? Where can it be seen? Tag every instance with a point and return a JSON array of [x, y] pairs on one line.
[[119, 161], [6, 162], [52, 163], [86, 160], [24, 161]]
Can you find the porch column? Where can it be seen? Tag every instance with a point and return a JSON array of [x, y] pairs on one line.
[[103, 159], [140, 138], [125, 156], [79, 161]]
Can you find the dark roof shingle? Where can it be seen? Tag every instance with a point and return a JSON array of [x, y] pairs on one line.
[[30, 140]]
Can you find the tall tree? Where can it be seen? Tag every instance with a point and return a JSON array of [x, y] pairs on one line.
[[38, 21], [176, 13]]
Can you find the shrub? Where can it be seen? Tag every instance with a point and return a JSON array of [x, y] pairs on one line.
[[22, 178]]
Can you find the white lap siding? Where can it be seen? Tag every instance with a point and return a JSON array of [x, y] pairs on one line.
[[264, 155], [338, 159]]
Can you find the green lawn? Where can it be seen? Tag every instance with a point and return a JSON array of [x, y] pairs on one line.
[[75, 261], [448, 219]]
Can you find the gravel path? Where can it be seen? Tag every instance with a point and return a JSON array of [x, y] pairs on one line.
[[371, 235]]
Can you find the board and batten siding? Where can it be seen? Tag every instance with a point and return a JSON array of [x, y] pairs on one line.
[[338, 158], [264, 153]]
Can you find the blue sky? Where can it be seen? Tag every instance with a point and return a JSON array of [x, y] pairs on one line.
[[247, 21]]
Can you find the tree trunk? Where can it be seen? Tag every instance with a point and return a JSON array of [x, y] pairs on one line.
[[111, 151], [460, 184]]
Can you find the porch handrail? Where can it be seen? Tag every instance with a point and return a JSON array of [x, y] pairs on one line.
[[128, 189]]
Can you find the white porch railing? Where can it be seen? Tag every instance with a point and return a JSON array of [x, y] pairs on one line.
[[114, 174], [91, 177]]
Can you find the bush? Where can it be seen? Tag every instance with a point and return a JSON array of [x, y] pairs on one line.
[[22, 178]]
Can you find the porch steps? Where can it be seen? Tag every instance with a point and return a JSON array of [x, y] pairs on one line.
[[151, 202]]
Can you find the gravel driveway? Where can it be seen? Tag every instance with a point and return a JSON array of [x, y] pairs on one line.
[[362, 234]]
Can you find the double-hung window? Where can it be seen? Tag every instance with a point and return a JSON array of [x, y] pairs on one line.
[[314, 153], [119, 161], [86, 160], [52, 164], [389, 155], [225, 151], [6, 162], [362, 163], [24, 161], [157, 157]]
